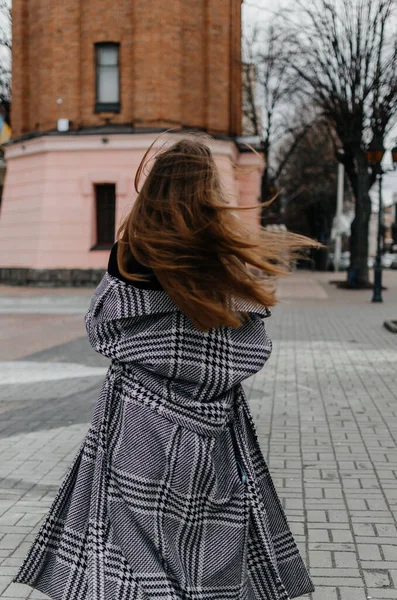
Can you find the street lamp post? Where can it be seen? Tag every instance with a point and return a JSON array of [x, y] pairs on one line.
[[377, 295], [375, 154], [394, 157], [339, 210]]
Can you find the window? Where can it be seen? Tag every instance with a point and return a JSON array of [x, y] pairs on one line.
[[107, 77], [105, 209]]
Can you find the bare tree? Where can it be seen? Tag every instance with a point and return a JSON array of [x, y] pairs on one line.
[[266, 84], [308, 185], [268, 99], [345, 57]]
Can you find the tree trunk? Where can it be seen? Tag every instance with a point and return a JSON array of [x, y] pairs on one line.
[[264, 182], [358, 272], [358, 176]]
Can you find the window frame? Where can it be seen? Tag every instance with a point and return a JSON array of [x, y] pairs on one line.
[[100, 245], [114, 107]]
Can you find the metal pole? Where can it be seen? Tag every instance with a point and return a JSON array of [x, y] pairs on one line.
[[339, 210], [377, 297]]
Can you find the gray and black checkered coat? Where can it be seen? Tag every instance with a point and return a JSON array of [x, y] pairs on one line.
[[169, 496]]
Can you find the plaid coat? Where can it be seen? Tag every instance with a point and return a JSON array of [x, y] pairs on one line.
[[169, 496]]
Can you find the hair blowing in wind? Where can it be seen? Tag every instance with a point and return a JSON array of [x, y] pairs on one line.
[[182, 227]]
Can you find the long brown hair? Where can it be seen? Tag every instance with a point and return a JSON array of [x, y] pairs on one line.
[[183, 227]]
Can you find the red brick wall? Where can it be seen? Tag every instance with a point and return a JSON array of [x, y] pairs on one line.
[[180, 62], [20, 67], [194, 72]]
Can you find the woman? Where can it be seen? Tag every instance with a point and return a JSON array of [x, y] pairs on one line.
[[169, 496]]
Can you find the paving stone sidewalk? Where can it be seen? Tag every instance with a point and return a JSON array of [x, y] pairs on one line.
[[325, 408]]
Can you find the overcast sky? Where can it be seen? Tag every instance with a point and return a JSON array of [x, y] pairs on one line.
[[259, 9]]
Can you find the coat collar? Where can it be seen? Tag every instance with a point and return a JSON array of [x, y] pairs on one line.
[[117, 299], [133, 267]]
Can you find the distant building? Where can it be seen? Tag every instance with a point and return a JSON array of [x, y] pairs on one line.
[[252, 118], [389, 221], [93, 85], [5, 127], [5, 136], [388, 224]]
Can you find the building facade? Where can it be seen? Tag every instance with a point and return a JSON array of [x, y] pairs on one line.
[[94, 83], [251, 113]]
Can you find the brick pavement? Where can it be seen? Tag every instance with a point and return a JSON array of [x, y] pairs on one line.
[[326, 411], [49, 317]]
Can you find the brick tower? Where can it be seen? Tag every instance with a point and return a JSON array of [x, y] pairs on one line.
[[94, 82]]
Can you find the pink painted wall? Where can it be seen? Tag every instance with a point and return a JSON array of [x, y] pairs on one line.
[[47, 217], [249, 174]]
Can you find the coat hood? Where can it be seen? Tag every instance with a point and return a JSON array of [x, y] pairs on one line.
[[145, 331], [114, 299]]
